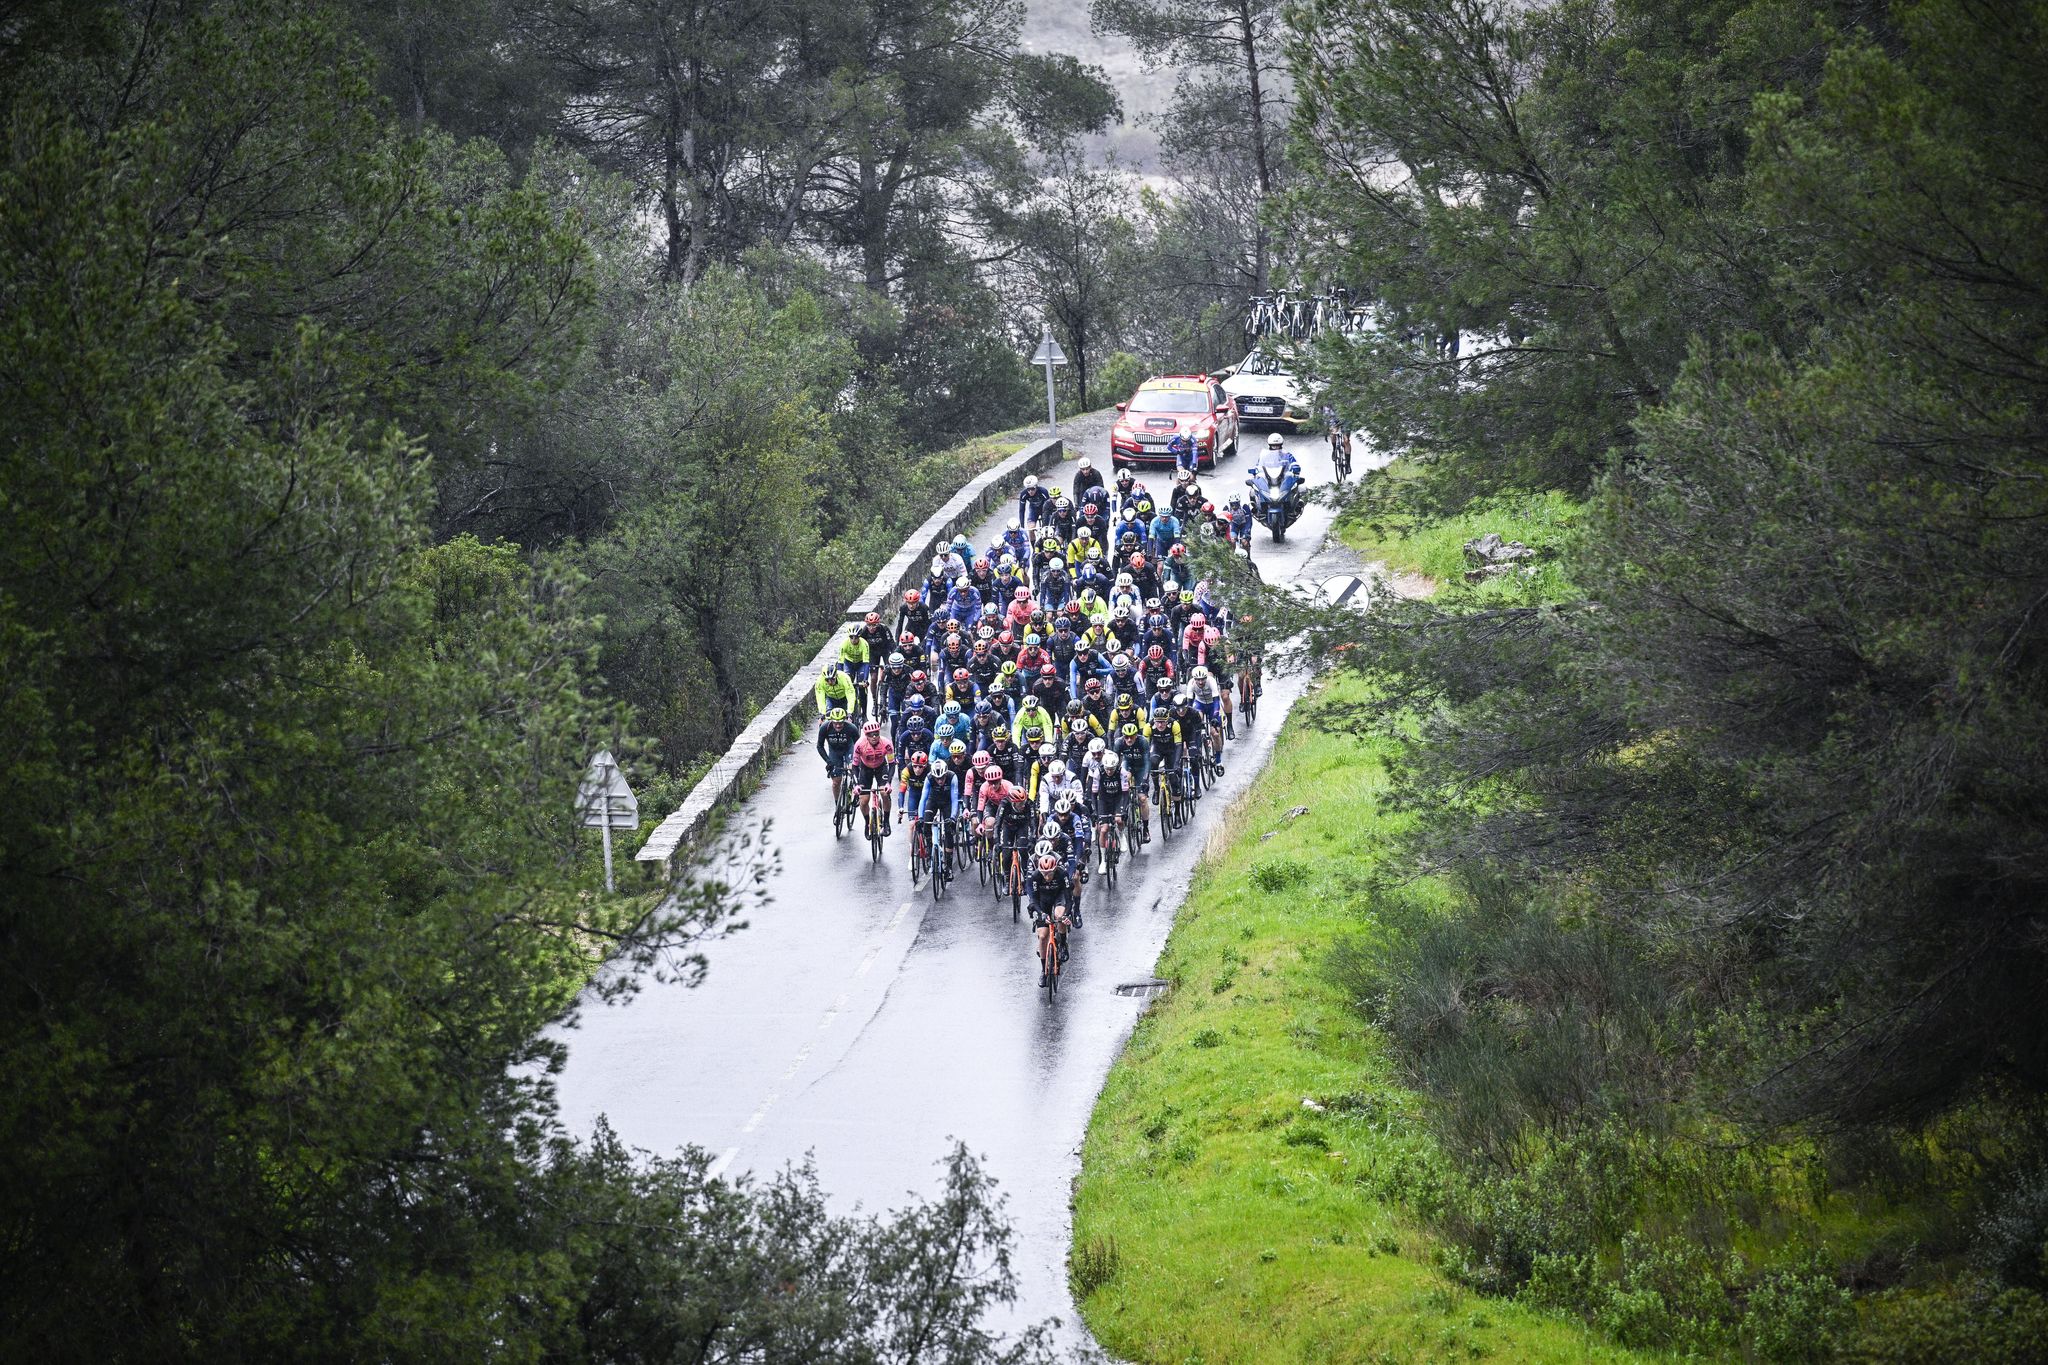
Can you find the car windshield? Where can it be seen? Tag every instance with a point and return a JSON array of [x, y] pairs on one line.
[[1259, 362], [1170, 400]]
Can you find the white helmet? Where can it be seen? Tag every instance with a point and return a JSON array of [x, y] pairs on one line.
[[962, 583], [1016, 525], [1110, 761], [1201, 673], [1274, 442], [1031, 481], [1046, 751], [1063, 806], [938, 565], [1096, 746], [1058, 769]]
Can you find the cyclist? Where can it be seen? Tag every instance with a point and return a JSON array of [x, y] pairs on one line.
[[874, 632], [1126, 711], [1068, 828], [960, 689], [1165, 532], [1194, 729], [1123, 677], [927, 792], [1144, 575], [1095, 705], [1166, 743], [1045, 888], [1005, 754], [1183, 451], [895, 687], [1031, 712], [836, 737], [1210, 700], [1108, 786], [1240, 523], [1087, 478], [1033, 502], [1186, 499], [1056, 784], [913, 617], [952, 723], [1016, 542], [1018, 613], [1134, 754], [1056, 586], [914, 729], [921, 689], [1156, 672], [963, 604], [836, 689], [874, 761], [1049, 687]]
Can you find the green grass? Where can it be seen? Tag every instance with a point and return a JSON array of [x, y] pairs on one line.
[[1224, 1220], [1435, 548]]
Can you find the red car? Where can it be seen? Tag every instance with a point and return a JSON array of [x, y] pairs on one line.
[[1193, 405]]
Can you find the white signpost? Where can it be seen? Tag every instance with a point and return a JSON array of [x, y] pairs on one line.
[[1049, 354], [603, 799]]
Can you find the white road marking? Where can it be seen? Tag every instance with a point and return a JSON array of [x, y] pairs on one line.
[[803, 1054]]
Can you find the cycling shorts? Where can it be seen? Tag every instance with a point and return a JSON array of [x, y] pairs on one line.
[[836, 760], [1211, 710]]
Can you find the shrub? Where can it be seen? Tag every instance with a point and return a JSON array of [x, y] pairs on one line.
[[1277, 874], [1798, 1314], [2012, 1238], [1905, 1328]]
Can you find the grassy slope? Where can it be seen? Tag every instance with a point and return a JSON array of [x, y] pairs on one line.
[[1241, 1232]]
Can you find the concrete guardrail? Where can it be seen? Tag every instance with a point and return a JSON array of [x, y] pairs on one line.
[[783, 718]]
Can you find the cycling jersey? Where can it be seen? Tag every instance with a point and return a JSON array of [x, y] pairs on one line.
[[934, 794], [835, 689], [1051, 789]]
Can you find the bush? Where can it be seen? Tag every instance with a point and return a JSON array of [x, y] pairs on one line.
[[2012, 1239], [1904, 1328], [1798, 1314], [1278, 874]]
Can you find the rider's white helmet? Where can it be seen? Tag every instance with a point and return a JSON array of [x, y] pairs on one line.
[[1110, 761], [1201, 673], [1016, 525], [1096, 746], [1046, 751], [1031, 481], [1274, 442]]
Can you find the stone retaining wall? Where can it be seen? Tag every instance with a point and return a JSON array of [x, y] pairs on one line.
[[790, 710]]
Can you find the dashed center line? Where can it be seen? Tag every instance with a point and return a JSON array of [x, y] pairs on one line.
[[803, 1054]]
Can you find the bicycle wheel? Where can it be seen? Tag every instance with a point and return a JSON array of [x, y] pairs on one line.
[[875, 840], [941, 868], [1163, 808], [920, 850], [1016, 885]]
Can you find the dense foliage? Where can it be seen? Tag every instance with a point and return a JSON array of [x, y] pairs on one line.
[[1750, 824], [358, 481]]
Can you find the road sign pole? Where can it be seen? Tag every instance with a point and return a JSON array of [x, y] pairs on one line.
[[607, 828], [1052, 417]]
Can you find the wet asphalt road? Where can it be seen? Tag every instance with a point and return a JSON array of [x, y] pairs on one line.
[[857, 1021]]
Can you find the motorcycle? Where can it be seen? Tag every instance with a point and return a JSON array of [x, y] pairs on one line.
[[1277, 496]]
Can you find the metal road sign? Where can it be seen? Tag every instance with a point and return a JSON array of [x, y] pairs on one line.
[[603, 799], [1048, 352], [1347, 591]]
